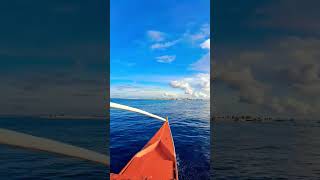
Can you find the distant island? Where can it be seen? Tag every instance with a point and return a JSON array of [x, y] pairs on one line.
[[55, 116], [79, 117], [248, 118], [169, 99]]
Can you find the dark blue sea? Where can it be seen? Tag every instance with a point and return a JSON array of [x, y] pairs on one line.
[[190, 126], [266, 150], [17, 163]]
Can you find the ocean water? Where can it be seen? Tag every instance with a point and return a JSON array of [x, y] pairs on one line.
[[266, 150], [190, 126], [17, 163]]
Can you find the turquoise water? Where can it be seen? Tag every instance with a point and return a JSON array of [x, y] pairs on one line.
[[190, 126], [17, 163]]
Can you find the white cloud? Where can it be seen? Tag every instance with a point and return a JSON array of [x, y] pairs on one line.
[[156, 35], [203, 33], [182, 84], [203, 64], [169, 95], [250, 90], [283, 78], [197, 86], [205, 44], [166, 59], [164, 45]]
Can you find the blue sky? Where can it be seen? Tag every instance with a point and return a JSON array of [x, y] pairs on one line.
[[159, 48]]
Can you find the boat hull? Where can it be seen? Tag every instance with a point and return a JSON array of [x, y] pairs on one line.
[[156, 160]]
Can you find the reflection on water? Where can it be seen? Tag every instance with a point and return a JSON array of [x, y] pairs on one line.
[[17, 163], [190, 126], [268, 150]]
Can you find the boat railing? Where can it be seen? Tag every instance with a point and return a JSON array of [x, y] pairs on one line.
[[132, 109]]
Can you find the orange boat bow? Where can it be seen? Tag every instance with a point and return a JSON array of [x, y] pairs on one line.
[[156, 161]]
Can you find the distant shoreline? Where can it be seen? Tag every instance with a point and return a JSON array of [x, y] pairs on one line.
[[165, 99], [56, 117], [252, 118]]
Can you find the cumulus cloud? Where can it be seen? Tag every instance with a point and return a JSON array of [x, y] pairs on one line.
[[164, 45], [169, 95], [166, 58], [156, 35], [283, 77], [254, 92], [250, 90], [197, 86], [291, 106], [303, 74], [182, 85]]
